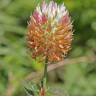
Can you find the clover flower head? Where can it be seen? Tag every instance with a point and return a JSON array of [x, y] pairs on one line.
[[50, 32]]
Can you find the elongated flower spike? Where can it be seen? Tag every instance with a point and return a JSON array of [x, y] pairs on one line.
[[50, 32]]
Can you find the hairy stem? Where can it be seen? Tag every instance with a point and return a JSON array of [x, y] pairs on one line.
[[44, 80], [45, 69]]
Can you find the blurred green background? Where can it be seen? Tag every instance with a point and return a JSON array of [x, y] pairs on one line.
[[77, 78]]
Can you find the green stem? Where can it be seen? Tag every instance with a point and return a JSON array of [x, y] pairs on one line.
[[44, 79], [45, 69]]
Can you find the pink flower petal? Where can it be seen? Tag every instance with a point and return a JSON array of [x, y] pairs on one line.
[[44, 7], [44, 19], [65, 19], [36, 16]]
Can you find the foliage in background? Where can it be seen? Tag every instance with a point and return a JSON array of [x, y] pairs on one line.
[[15, 64]]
